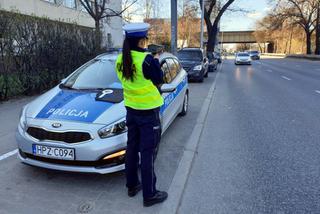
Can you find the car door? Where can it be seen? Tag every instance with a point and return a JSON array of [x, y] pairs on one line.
[[174, 100]]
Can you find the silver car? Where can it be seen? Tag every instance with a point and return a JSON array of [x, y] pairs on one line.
[[80, 124], [242, 58]]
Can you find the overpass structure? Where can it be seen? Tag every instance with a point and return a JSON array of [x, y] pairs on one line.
[[237, 37]]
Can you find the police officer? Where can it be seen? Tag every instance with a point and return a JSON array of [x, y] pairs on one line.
[[140, 73]]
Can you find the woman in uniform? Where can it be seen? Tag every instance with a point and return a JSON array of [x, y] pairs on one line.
[[140, 74]]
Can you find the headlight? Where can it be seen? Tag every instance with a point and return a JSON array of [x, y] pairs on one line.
[[197, 68], [114, 129], [23, 121]]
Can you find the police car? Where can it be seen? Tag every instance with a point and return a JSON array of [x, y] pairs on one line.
[[80, 124]]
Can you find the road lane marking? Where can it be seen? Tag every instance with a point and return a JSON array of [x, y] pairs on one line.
[[286, 78], [269, 70], [9, 154], [317, 91]]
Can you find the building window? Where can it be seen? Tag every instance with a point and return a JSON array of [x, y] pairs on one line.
[[51, 1], [70, 3]]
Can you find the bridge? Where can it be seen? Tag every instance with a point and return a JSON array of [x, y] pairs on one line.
[[237, 37]]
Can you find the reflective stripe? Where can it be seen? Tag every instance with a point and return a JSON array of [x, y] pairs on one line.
[[139, 93]]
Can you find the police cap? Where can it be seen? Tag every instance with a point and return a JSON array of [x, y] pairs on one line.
[[136, 30]]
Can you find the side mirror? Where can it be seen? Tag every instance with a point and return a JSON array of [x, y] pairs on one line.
[[167, 88], [63, 80]]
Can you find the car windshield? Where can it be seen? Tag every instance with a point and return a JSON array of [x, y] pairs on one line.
[[190, 55], [243, 54], [96, 74], [254, 52]]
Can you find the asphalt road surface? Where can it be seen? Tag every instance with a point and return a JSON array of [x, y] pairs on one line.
[[30, 190], [260, 149]]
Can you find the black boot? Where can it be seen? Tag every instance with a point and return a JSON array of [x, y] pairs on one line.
[[159, 197], [134, 190]]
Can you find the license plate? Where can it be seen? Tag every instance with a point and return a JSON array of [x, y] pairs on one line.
[[53, 152]]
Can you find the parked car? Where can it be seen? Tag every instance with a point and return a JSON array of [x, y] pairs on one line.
[[255, 55], [213, 61], [242, 58], [194, 61], [80, 124]]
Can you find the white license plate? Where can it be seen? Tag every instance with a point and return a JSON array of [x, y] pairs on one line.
[[53, 152]]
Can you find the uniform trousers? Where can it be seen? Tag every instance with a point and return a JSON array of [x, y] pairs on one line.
[[144, 133]]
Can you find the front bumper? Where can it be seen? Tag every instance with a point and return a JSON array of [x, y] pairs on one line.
[[88, 155], [195, 75], [239, 62], [256, 57]]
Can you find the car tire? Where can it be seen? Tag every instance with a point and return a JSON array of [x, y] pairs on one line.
[[211, 68], [185, 105], [201, 79]]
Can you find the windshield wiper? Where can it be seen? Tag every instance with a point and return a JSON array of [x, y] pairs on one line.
[[62, 85]]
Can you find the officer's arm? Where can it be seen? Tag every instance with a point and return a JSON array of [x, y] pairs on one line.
[[152, 70]]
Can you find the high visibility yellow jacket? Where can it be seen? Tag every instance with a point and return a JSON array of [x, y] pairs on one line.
[[141, 93]]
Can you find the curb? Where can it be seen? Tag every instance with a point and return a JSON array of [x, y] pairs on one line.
[[180, 178]]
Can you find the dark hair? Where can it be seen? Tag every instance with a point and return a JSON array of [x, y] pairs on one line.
[[127, 67]]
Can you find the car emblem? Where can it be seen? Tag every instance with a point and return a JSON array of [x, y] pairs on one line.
[[56, 125], [105, 92]]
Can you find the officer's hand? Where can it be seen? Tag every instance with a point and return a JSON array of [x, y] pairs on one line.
[[156, 56]]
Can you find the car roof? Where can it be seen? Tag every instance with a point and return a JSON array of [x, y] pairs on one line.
[[109, 56], [113, 56], [191, 49]]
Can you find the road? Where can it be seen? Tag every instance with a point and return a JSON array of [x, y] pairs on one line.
[[25, 189], [259, 150]]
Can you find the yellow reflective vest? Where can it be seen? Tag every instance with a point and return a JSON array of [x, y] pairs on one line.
[[141, 93]]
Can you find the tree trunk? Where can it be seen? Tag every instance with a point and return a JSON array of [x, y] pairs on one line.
[[290, 43], [97, 35], [212, 38], [317, 51], [260, 48], [308, 42]]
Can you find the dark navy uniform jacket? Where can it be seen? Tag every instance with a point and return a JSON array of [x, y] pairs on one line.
[[151, 68]]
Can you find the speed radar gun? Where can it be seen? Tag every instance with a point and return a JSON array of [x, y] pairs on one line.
[[155, 49]]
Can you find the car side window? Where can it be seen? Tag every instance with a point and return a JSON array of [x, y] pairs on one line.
[[166, 72], [173, 68], [178, 65]]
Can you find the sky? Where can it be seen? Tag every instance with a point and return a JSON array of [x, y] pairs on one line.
[[257, 9], [230, 21]]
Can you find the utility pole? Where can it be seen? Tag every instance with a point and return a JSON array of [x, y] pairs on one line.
[[202, 19], [174, 26]]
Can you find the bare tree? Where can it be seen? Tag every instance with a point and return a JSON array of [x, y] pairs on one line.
[[188, 25], [214, 6], [299, 12], [317, 51], [98, 10], [242, 47]]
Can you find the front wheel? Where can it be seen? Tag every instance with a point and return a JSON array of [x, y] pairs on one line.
[[185, 105]]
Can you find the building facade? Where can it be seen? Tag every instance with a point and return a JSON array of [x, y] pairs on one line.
[[70, 11]]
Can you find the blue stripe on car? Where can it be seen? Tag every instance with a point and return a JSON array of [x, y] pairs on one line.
[[75, 106], [170, 97]]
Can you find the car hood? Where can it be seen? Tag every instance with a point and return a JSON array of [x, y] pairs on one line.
[[73, 105], [185, 63]]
